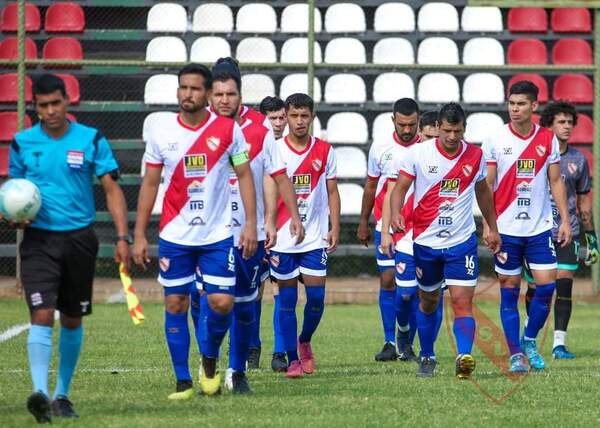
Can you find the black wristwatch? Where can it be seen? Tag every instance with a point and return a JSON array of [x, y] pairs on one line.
[[127, 238]]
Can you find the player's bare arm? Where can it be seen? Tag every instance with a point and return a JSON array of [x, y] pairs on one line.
[[334, 215], [363, 233], [270, 201], [397, 202], [146, 198], [288, 195], [386, 245], [491, 180], [485, 200], [115, 201], [559, 194], [248, 239], [584, 206]]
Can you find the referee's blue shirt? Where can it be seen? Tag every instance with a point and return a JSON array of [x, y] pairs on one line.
[[63, 169]]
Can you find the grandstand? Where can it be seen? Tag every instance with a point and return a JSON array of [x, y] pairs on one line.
[[271, 38]]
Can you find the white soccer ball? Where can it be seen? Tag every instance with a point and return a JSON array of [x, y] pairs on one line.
[[20, 200]]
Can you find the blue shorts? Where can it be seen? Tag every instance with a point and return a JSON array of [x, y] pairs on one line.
[[384, 262], [250, 274], [180, 265], [405, 270], [291, 265], [537, 251], [457, 265]]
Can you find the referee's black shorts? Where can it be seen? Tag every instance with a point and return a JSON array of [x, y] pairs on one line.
[[57, 269]]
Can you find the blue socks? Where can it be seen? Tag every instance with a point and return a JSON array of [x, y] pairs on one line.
[[387, 308], [404, 307], [464, 331], [255, 335], [313, 311], [278, 346], [239, 336], [426, 325], [177, 333], [216, 328], [288, 297], [69, 347], [440, 315], [195, 311], [39, 351], [509, 315], [539, 309]]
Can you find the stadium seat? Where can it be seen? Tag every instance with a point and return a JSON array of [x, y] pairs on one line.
[[167, 18], [575, 88], [527, 20], [62, 48], [295, 51], [256, 87], [527, 51], [166, 49], [572, 52], [438, 88], [161, 89], [350, 198], [437, 50], [209, 49], [393, 50], [294, 19], [481, 19], [345, 88], [351, 162], [345, 18], [583, 133], [8, 124], [536, 79], [256, 18], [389, 87], [481, 125], [382, 127], [483, 88], [9, 88], [4, 159], [72, 87], [212, 18], [483, 51], [67, 17], [347, 128], [571, 20], [437, 17], [394, 18], [298, 82], [256, 49], [71, 117], [9, 49], [155, 119], [535, 118], [10, 22], [345, 50]]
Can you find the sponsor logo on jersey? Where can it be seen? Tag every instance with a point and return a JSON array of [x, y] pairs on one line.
[[449, 187], [467, 170], [523, 202], [432, 169], [317, 164], [195, 165], [197, 221], [446, 206], [524, 188], [507, 150], [194, 188], [172, 147], [274, 260], [164, 264], [196, 205], [502, 257], [443, 234], [302, 183], [400, 267], [523, 215], [572, 167], [540, 150], [213, 143], [387, 156], [525, 168]]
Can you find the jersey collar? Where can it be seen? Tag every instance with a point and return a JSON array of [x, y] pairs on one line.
[[438, 146], [522, 137]]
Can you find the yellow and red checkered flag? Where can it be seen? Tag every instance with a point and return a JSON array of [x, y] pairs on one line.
[[133, 303]]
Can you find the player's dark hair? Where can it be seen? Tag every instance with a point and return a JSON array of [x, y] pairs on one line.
[[452, 113], [525, 87], [406, 107], [429, 118], [269, 104], [554, 108], [48, 83], [200, 69], [299, 101], [227, 69]]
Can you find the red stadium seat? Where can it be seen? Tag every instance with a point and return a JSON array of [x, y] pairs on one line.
[[572, 52], [8, 124], [575, 88], [527, 20], [535, 118], [571, 20], [10, 22], [58, 48], [65, 17], [534, 78], [9, 49], [590, 158], [72, 86], [583, 133], [4, 158], [71, 117], [527, 51], [9, 88]]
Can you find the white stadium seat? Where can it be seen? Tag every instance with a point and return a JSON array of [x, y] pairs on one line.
[[483, 51], [438, 17], [394, 18], [212, 18], [393, 50], [482, 19], [256, 18], [345, 18], [295, 51], [481, 126], [167, 17], [351, 162], [483, 88], [345, 88], [438, 50], [347, 128], [256, 49], [209, 49], [161, 89], [298, 83], [166, 49], [382, 127], [345, 50], [294, 19], [257, 86], [438, 88], [389, 87], [350, 198]]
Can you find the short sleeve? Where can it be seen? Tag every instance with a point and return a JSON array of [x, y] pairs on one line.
[[238, 151], [152, 155], [16, 167], [555, 151], [104, 161], [490, 156], [406, 164], [373, 167], [584, 183], [274, 164], [482, 173], [331, 167]]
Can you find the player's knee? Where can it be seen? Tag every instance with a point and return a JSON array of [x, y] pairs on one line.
[[176, 304], [387, 280], [509, 281], [70, 322], [429, 301], [222, 304], [43, 316], [564, 288], [462, 306]]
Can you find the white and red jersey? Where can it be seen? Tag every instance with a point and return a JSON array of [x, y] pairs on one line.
[[309, 171], [255, 116], [521, 190], [444, 188], [380, 156], [196, 207]]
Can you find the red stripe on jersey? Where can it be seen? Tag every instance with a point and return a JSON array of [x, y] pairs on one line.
[[538, 149], [427, 210], [255, 138], [379, 198]]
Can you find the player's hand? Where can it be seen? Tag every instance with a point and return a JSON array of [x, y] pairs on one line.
[[397, 223], [363, 233], [565, 235], [140, 251], [19, 224], [297, 230], [248, 241], [387, 244], [332, 240], [493, 241], [122, 254], [271, 236], [592, 248]]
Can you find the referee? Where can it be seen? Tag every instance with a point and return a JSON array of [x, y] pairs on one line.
[[59, 248]]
